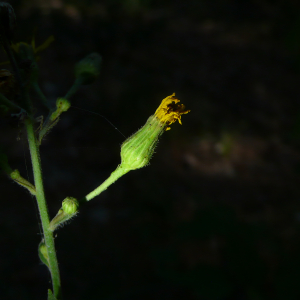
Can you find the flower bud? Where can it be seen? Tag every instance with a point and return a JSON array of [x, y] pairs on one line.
[[138, 149], [61, 106], [43, 253], [14, 175], [67, 212], [70, 205], [88, 69]]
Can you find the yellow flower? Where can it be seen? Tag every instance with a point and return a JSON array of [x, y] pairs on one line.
[[137, 150], [170, 111]]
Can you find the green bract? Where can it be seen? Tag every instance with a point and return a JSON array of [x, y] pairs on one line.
[[70, 205], [138, 149]]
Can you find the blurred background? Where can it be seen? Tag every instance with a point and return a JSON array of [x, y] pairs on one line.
[[216, 216]]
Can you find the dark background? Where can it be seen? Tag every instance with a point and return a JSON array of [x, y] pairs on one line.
[[216, 216]]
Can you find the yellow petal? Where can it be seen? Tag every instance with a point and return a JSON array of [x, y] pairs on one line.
[[170, 111]]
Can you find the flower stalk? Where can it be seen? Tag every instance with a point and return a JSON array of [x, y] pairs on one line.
[[74, 88], [16, 177], [41, 95], [114, 176]]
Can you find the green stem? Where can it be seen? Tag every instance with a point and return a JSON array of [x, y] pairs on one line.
[[40, 196], [16, 177], [60, 218], [115, 175], [74, 88], [39, 92]]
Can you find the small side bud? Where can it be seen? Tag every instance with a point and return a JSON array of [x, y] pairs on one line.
[[68, 211], [61, 106], [17, 178], [70, 205], [15, 175], [43, 253], [88, 69]]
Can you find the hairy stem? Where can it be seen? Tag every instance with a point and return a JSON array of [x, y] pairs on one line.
[[115, 175], [40, 197], [16, 177]]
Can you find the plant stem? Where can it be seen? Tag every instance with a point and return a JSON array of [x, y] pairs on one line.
[[115, 175], [39, 92], [17, 178], [76, 85], [40, 197]]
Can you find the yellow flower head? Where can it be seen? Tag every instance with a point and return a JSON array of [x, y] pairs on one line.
[[138, 149], [170, 111]]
